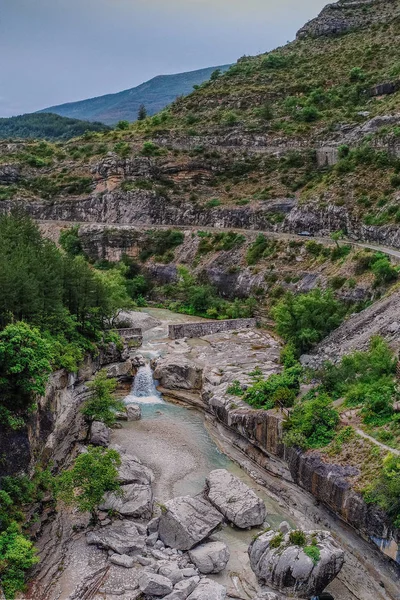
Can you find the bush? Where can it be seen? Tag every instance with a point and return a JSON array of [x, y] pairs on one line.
[[150, 149], [385, 490], [264, 393], [17, 555], [257, 249], [160, 242], [70, 241], [276, 540], [313, 421], [288, 356], [297, 538], [235, 388], [383, 271], [313, 552], [93, 474], [305, 319], [101, 405]]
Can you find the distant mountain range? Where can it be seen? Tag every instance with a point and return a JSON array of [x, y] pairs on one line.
[[46, 126], [154, 94]]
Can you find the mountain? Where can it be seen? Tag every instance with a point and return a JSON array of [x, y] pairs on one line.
[[46, 126], [155, 94]]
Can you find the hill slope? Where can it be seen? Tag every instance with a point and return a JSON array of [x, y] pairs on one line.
[[155, 94], [46, 126]]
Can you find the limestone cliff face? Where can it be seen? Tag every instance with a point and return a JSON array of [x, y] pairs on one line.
[[347, 15], [57, 425]]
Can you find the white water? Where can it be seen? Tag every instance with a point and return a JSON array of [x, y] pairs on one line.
[[144, 389]]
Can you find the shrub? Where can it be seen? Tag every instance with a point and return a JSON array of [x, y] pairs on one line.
[[101, 405], [160, 242], [283, 397], [70, 241], [313, 421], [308, 114], [274, 61], [229, 118], [17, 555], [235, 388], [383, 271], [276, 541], [385, 490], [357, 74], [263, 393], [257, 249], [288, 356], [305, 319], [297, 538], [122, 149], [313, 552], [94, 473], [150, 149], [122, 125]]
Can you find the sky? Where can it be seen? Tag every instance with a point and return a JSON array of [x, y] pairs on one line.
[[56, 51]]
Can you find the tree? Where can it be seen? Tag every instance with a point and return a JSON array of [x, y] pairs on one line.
[[336, 236], [17, 555], [312, 423], [142, 113], [101, 405], [122, 125], [93, 474], [215, 75], [70, 241], [385, 490], [307, 318], [25, 364]]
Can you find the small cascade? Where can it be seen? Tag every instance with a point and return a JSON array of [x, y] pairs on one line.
[[144, 388]]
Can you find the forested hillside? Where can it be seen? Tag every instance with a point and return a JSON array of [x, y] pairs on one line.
[[46, 126]]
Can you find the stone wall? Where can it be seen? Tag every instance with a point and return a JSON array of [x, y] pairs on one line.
[[195, 330]]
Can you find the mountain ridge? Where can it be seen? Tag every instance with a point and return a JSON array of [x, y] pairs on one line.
[[155, 94]]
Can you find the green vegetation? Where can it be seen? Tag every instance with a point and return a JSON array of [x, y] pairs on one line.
[[276, 540], [17, 555], [277, 391], [297, 537], [53, 308], [305, 319], [94, 473], [226, 240], [102, 405], [46, 125], [161, 244], [312, 423], [385, 490], [70, 242], [190, 297], [313, 552]]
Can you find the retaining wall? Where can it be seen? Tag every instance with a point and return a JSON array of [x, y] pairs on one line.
[[195, 330]]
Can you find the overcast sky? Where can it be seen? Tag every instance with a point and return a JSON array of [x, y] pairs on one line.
[[55, 51]]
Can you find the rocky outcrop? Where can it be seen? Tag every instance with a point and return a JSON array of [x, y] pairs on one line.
[[132, 470], [186, 521], [9, 173], [133, 412], [208, 590], [136, 501], [154, 585], [121, 538], [288, 568], [348, 15], [196, 330], [234, 499], [178, 372], [211, 557], [99, 434]]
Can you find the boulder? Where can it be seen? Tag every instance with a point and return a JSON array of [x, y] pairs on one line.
[[183, 589], [237, 502], [177, 372], [131, 470], [122, 560], [154, 585], [186, 521], [211, 557], [287, 568], [121, 538], [136, 501], [99, 434], [133, 412], [284, 527], [208, 590]]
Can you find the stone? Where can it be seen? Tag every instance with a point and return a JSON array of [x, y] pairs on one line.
[[287, 568], [234, 499], [122, 560], [208, 590], [154, 585], [152, 539], [144, 561], [211, 557], [183, 589], [173, 573], [136, 501], [189, 572], [284, 527], [131, 470], [99, 434], [133, 412], [177, 372], [186, 521], [152, 526], [121, 538]]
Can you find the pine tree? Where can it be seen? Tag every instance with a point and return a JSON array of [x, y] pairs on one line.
[[142, 113]]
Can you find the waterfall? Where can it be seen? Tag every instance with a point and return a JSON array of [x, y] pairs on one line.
[[144, 388]]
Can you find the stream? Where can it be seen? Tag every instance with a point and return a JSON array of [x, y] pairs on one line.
[[173, 441]]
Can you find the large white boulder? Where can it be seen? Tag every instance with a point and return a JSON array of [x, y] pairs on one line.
[[279, 563], [211, 557], [208, 590], [237, 502], [186, 521]]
